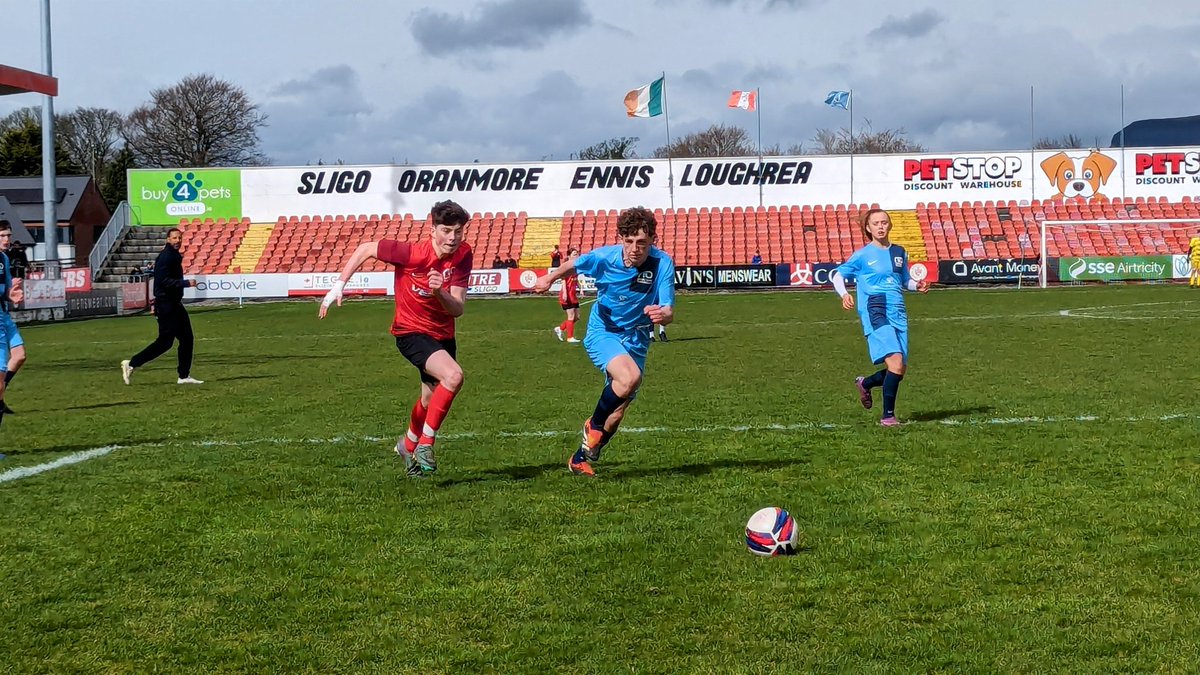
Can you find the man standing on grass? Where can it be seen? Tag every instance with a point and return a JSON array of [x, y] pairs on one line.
[[432, 278], [635, 289], [173, 321], [12, 347]]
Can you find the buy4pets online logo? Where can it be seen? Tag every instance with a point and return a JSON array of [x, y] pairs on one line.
[[185, 194]]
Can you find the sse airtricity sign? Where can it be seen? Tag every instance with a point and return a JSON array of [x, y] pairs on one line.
[[166, 197]]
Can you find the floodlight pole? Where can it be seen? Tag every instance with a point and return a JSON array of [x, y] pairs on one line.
[[49, 187]]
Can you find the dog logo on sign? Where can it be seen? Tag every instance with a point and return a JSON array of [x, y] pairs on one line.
[[1078, 177]]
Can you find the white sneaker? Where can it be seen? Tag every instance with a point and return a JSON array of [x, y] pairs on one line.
[[189, 380], [558, 333], [126, 371], [572, 340]]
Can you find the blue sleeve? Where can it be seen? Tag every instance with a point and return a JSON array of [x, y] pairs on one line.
[[666, 282], [904, 276], [589, 263], [849, 269]]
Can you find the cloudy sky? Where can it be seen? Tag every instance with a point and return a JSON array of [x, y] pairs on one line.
[[395, 81]]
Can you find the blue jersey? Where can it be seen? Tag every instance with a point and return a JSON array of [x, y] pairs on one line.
[[624, 292], [880, 274]]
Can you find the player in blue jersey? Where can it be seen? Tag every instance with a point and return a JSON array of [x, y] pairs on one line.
[[635, 289], [11, 345], [881, 271]]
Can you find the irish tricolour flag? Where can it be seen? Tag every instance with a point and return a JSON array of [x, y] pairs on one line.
[[645, 101]]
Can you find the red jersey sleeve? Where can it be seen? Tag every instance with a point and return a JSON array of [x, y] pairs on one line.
[[462, 271], [394, 252]]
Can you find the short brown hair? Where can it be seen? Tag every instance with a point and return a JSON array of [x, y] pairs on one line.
[[866, 217], [174, 229], [5, 225], [636, 219], [448, 212]]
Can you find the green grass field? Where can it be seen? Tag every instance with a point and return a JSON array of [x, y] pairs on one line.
[[1037, 514]]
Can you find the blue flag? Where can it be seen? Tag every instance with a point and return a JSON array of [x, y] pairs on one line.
[[838, 99]]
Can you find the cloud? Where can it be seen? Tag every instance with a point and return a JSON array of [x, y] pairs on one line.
[[916, 25], [512, 24], [315, 117]]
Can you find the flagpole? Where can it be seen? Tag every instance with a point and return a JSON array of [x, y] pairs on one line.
[[851, 146], [670, 167], [1032, 148], [1123, 140], [758, 107]]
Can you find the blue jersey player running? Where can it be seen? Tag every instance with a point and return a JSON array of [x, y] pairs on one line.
[[881, 271], [12, 347], [635, 289]]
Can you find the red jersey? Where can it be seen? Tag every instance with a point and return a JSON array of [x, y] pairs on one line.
[[569, 293], [417, 310]]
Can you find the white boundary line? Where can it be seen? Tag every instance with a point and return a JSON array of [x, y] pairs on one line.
[[75, 458]]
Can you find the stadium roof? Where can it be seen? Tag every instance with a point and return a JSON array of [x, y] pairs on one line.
[[1160, 133], [17, 81]]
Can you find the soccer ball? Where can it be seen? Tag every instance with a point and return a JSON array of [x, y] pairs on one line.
[[771, 531]]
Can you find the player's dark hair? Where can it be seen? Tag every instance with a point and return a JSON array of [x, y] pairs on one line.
[[448, 212], [5, 226], [174, 229], [866, 217], [636, 219]]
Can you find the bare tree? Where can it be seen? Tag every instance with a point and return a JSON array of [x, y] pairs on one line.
[[614, 148], [776, 150], [91, 137], [202, 121], [865, 141], [20, 118], [1066, 141], [718, 140]]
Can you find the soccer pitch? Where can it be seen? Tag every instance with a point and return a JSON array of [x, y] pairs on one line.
[[1036, 514]]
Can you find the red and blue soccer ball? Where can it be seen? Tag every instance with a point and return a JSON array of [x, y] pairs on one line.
[[771, 531]]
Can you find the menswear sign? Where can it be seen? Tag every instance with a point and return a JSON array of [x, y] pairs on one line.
[[899, 181]]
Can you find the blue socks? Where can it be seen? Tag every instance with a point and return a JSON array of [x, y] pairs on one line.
[[891, 386]]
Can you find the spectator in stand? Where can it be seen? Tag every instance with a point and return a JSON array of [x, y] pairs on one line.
[[510, 263], [497, 263], [17, 259], [757, 259], [555, 257]]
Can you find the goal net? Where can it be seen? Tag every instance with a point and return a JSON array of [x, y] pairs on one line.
[[1115, 250]]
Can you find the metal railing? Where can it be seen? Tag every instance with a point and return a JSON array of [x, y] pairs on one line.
[[109, 238]]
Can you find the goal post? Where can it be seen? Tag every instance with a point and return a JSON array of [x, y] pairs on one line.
[[1125, 237]]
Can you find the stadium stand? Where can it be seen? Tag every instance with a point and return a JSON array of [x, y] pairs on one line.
[[704, 236]]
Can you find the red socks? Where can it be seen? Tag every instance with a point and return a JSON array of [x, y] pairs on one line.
[[439, 405], [570, 328], [416, 420]]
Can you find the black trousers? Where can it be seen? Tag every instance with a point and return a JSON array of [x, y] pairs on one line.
[[173, 324]]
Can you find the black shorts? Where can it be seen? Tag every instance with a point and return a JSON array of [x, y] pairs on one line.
[[569, 305], [418, 347]]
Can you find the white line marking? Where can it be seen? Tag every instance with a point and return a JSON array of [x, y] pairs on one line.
[[75, 458], [27, 471]]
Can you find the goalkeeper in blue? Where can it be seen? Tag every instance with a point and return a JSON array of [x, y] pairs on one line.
[[880, 270], [635, 289]]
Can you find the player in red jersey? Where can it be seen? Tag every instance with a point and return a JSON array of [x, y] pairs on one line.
[[432, 277], [568, 299]]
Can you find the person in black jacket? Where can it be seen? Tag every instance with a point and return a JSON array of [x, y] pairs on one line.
[[173, 321]]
